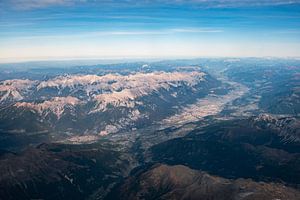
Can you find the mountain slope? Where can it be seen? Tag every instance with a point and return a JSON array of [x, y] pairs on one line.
[[246, 148], [180, 182], [55, 171]]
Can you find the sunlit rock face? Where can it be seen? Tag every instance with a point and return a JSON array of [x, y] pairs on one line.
[[56, 105], [14, 90], [102, 104], [118, 90]]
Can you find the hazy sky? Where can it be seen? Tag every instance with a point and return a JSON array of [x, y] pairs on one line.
[[57, 29]]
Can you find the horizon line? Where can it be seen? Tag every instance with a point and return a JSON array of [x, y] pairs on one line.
[[141, 58]]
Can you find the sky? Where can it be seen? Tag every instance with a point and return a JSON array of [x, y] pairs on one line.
[[71, 29]]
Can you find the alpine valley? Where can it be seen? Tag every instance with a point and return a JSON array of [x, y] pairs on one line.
[[210, 128]]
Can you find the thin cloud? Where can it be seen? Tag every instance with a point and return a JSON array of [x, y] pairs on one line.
[[124, 33], [238, 3], [37, 4], [196, 30], [162, 32]]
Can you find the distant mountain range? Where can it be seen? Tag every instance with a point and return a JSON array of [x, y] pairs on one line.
[[91, 104]]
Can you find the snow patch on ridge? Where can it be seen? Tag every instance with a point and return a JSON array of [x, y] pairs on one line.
[[56, 105], [122, 90], [14, 89]]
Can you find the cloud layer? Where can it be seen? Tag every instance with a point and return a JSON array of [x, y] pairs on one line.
[[36, 4]]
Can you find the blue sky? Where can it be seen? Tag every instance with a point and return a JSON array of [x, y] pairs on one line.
[[67, 29]]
